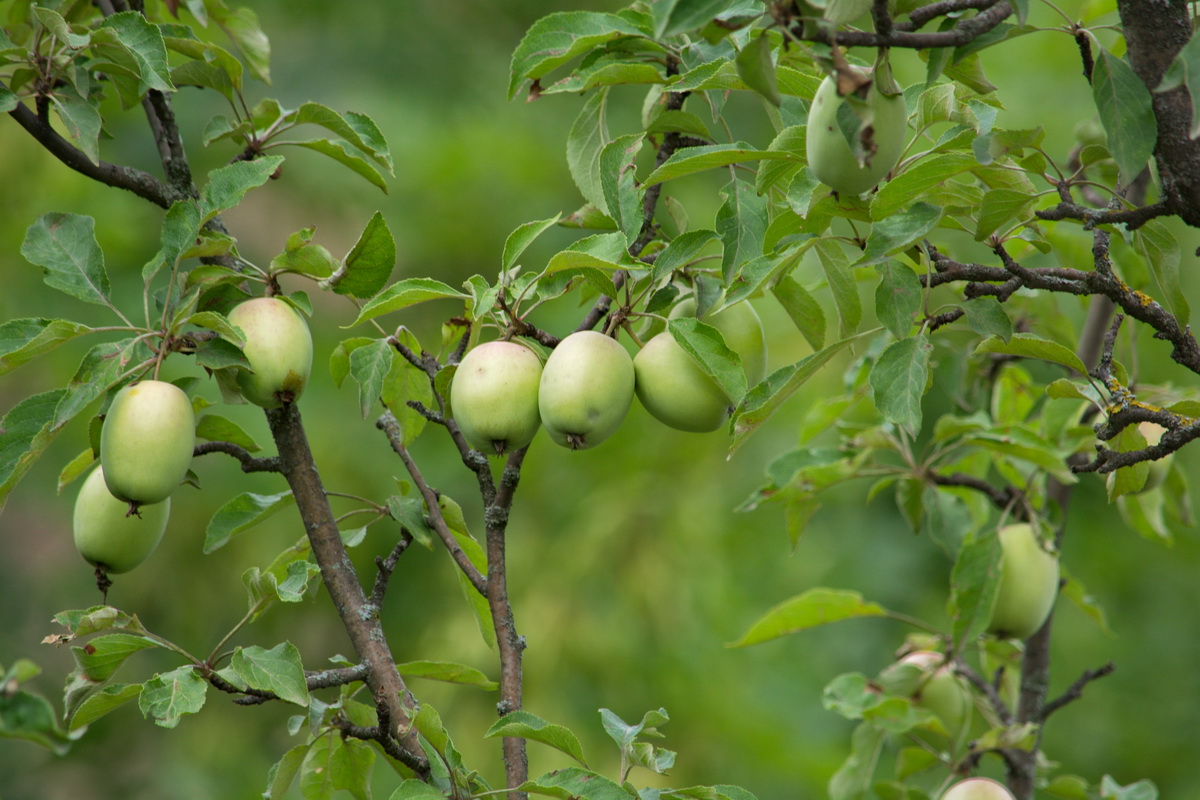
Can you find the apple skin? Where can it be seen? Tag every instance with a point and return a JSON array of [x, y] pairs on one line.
[[829, 155], [1152, 433], [107, 535], [674, 389], [742, 331], [146, 442], [978, 789], [586, 389], [940, 691], [279, 348], [1028, 583], [494, 396]]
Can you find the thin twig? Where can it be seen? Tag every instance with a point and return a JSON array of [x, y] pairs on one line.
[[249, 462], [1075, 691]]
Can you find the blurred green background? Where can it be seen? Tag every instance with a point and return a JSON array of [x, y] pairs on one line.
[[628, 568]]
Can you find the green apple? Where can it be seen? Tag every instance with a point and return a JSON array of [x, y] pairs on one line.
[[1152, 433], [674, 389], [829, 154], [146, 442], [939, 690], [279, 348], [742, 331], [107, 535], [978, 789], [1028, 583], [494, 396], [586, 389]]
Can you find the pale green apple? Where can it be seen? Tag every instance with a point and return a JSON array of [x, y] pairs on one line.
[[586, 389], [494, 396], [939, 690], [978, 789], [673, 388], [1029, 577], [146, 442], [742, 330], [107, 535], [279, 348], [830, 157]]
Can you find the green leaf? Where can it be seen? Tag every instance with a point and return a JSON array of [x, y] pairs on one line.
[[369, 366], [898, 231], [850, 695], [522, 724], [103, 655], [449, 672], [773, 172], [29, 716], [757, 70], [241, 26], [560, 37], [228, 185], [669, 121], [311, 113], [521, 238], [109, 698], [81, 119], [169, 695], [240, 514], [368, 265], [8, 100], [854, 777], [998, 207], [974, 584], [403, 294], [575, 783], [1161, 252], [81, 622], [1142, 790], [283, 772], [335, 763], [301, 256], [414, 789], [987, 317], [475, 553], [405, 383], [680, 251], [763, 400], [22, 340], [1126, 112], [621, 194], [1027, 345], [218, 354], [811, 609], [410, 513], [342, 153], [707, 348], [899, 378], [277, 670], [1074, 590], [144, 42], [1131, 479], [65, 246], [690, 160], [842, 284], [742, 225], [803, 309], [927, 173], [59, 28], [686, 15], [897, 298], [25, 432], [585, 141]]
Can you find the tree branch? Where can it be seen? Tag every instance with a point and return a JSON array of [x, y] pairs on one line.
[[359, 617], [964, 32], [1075, 691], [249, 462]]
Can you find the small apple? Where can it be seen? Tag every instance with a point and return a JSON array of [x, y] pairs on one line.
[[1028, 583], [939, 690], [107, 535], [978, 789], [1153, 433], [586, 389], [146, 442], [494, 396], [279, 348], [674, 389], [742, 331], [829, 154]]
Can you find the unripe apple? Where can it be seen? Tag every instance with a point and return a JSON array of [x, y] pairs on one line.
[[829, 154], [146, 442], [494, 396], [586, 389], [939, 690], [977, 789], [742, 331], [1152, 433], [1028, 583], [107, 535], [279, 348], [674, 389]]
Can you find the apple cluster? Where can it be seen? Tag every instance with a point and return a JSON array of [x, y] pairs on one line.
[[502, 394], [149, 435]]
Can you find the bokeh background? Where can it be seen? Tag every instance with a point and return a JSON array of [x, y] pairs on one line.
[[628, 567]]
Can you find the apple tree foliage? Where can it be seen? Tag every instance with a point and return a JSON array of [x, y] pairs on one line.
[[971, 251]]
